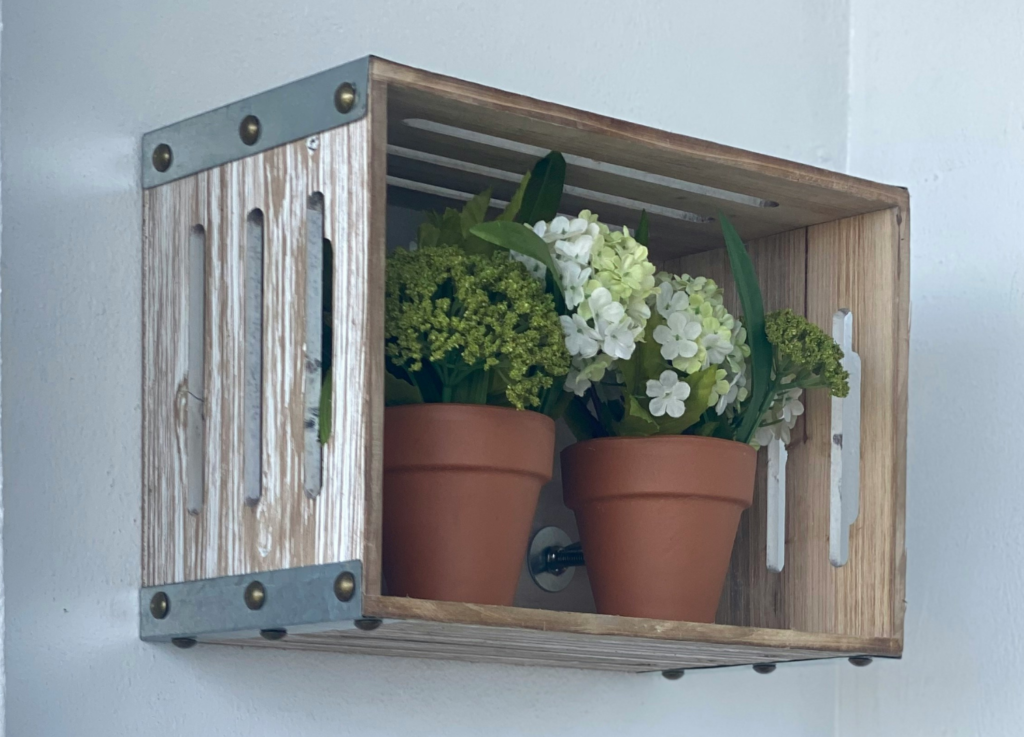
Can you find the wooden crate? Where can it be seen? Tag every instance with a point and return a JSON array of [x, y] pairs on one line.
[[230, 457]]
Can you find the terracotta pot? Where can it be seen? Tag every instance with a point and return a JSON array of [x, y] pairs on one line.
[[657, 519], [461, 484]]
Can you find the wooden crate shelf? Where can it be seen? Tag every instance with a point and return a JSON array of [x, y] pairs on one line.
[[217, 503]]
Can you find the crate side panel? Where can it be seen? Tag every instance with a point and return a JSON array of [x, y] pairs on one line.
[[855, 263]]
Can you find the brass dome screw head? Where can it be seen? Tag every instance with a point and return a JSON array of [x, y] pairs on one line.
[[184, 643], [162, 157], [344, 586], [861, 660], [255, 595], [764, 668], [249, 130], [368, 624], [159, 605], [273, 635], [344, 97], [673, 674]]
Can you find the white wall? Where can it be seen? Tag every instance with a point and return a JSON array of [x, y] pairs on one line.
[[81, 82], [937, 104]]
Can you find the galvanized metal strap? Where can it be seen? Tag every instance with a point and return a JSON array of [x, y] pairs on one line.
[[284, 114]]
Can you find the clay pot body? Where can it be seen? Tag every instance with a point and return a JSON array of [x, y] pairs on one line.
[[657, 519], [461, 484]]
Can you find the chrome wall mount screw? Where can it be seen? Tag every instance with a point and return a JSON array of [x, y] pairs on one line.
[[673, 674], [861, 660], [764, 668], [249, 130], [255, 595], [367, 624], [273, 635], [184, 643], [345, 586], [162, 157], [344, 97], [159, 605]]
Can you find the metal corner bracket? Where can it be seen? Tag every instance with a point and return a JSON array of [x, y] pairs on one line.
[[264, 121], [271, 604]]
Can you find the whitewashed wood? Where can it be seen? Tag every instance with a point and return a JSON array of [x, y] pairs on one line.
[[285, 527], [252, 388], [196, 366], [312, 367], [776, 527], [844, 486]]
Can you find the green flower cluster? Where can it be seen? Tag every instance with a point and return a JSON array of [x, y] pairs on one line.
[[459, 313], [806, 352]]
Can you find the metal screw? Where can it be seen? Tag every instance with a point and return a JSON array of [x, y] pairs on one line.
[[273, 635], [249, 130], [366, 625], [162, 157], [344, 97], [255, 595], [183, 642], [673, 674], [344, 586], [764, 668], [159, 605], [861, 660]]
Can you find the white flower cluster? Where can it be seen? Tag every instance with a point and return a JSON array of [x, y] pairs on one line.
[[781, 418], [606, 279], [699, 333]]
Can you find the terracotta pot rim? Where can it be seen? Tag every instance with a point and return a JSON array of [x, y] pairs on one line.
[[700, 439], [459, 405]]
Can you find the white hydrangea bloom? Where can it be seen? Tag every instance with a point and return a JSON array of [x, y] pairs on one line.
[[668, 395], [780, 419], [606, 280], [698, 333]]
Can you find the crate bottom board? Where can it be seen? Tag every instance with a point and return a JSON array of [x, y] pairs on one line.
[[513, 636]]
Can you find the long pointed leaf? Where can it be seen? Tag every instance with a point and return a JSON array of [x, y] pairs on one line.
[[643, 230], [517, 237], [543, 192], [753, 320], [514, 205]]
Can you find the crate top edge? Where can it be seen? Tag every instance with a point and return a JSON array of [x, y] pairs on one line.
[[875, 195], [600, 625]]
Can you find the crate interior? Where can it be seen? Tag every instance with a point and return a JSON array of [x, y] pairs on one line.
[[443, 149]]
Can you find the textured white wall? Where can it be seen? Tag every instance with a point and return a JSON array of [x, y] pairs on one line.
[[937, 104], [81, 82]]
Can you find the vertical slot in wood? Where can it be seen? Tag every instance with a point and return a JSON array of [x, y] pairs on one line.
[[253, 386], [195, 458], [314, 344]]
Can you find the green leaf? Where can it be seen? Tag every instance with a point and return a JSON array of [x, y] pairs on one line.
[[642, 229], [581, 421], [637, 421], [753, 320], [398, 391], [326, 400], [475, 210], [555, 399], [701, 384], [517, 237], [543, 192], [428, 235], [516, 203]]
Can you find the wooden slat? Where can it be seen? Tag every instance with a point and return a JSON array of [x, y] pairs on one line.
[[285, 528], [805, 195]]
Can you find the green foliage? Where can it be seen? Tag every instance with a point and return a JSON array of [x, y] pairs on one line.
[[460, 314], [807, 353], [753, 320], [515, 237], [516, 203], [399, 391], [543, 192], [642, 230], [324, 417]]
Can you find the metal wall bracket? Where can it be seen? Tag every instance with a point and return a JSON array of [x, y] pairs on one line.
[[272, 603], [844, 503], [552, 559], [284, 114]]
